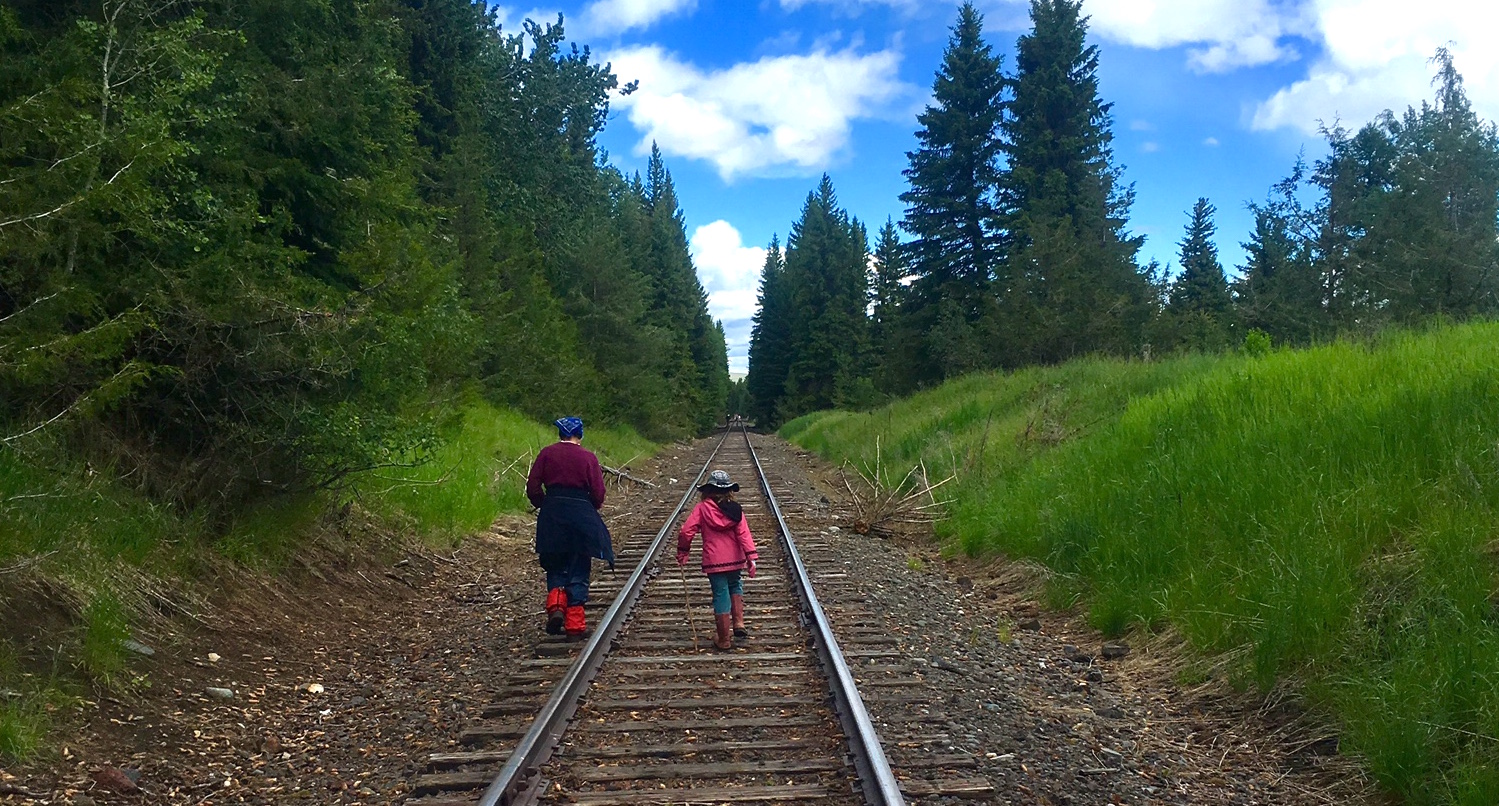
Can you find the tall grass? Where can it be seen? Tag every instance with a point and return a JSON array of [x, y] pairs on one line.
[[80, 525], [480, 471], [1330, 515]]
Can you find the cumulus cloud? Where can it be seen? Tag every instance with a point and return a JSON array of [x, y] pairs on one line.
[[853, 6], [787, 114], [1221, 34], [617, 16], [730, 273], [1376, 56]]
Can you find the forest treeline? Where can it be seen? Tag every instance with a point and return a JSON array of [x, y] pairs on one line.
[[1014, 249], [254, 246]]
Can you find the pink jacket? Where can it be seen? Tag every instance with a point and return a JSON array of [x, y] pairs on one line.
[[727, 546]]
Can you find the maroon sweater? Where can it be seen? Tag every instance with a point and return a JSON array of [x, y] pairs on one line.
[[563, 464]]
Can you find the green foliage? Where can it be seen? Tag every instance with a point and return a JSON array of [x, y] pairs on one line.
[[953, 207], [1075, 288], [480, 471], [23, 725], [770, 340], [1325, 514], [813, 325], [1397, 225], [102, 646], [247, 245], [1199, 312], [1257, 343]]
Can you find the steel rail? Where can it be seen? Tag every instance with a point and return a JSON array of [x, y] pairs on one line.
[[540, 741], [875, 775]]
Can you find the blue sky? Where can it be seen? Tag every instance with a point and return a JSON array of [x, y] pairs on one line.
[[752, 101]]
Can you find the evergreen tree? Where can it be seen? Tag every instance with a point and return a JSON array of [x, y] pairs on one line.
[[1278, 291], [1435, 238], [952, 207], [1199, 308], [1071, 259], [770, 341], [826, 263], [894, 352], [260, 242]]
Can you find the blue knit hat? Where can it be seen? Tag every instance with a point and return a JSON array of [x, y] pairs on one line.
[[569, 427]]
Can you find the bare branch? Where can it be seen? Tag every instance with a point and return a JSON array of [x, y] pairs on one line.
[[34, 303]]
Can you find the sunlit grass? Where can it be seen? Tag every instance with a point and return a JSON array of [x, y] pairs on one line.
[[86, 532], [480, 470], [1328, 514]]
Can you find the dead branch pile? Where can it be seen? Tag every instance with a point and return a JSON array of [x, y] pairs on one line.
[[882, 508]]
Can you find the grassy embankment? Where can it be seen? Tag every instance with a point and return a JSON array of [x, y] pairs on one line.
[[1327, 517], [92, 540]]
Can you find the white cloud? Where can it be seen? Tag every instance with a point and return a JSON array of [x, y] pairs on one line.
[[1376, 56], [1223, 34], [1211, 142], [617, 16], [730, 273], [511, 17], [1150, 146], [778, 115]]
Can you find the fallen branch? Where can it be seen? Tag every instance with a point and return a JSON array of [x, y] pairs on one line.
[[621, 474], [879, 506]]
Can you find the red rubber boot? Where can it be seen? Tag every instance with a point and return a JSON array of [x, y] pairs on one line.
[[576, 623], [556, 606]]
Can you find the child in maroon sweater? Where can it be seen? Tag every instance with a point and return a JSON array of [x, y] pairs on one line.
[[728, 549]]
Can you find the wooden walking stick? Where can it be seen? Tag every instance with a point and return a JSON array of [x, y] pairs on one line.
[[692, 622]]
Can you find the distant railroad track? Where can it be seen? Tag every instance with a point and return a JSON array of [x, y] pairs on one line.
[[639, 714]]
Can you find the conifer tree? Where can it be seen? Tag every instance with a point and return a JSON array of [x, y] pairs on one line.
[[1436, 235], [953, 206], [826, 263], [1071, 255], [889, 330], [770, 341], [1199, 308], [1278, 291]]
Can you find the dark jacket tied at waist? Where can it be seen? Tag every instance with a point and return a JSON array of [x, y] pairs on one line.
[[568, 524]]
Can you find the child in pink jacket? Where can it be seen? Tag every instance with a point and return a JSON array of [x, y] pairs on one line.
[[728, 549]]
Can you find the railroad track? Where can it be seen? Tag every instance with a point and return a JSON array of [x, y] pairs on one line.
[[646, 711]]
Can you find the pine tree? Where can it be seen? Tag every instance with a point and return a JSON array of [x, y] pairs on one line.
[[894, 352], [1437, 249], [680, 306], [826, 263], [770, 341], [1071, 255], [1199, 307], [952, 207], [1278, 292]]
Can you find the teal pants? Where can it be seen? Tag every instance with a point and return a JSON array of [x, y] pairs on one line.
[[725, 585]]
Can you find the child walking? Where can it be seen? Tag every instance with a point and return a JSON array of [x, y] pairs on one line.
[[728, 549]]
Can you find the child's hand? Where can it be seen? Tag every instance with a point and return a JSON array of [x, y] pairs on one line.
[[751, 569], [681, 558]]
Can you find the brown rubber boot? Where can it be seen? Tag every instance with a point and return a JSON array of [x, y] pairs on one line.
[[736, 609], [723, 641]]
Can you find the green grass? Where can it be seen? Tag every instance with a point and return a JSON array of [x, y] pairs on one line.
[[480, 471], [1327, 515], [82, 526], [23, 726]]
